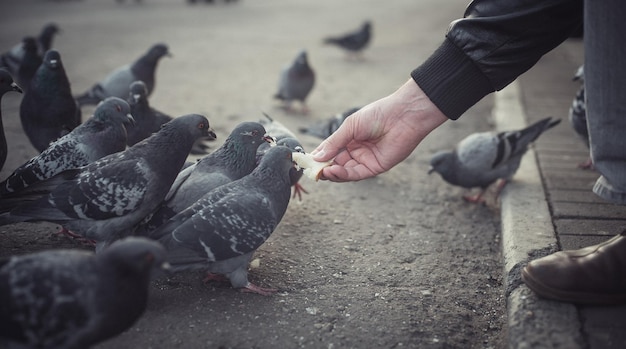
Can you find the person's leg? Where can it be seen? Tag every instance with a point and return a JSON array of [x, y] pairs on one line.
[[605, 88], [596, 274]]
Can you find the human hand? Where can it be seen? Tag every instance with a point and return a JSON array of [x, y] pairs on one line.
[[380, 135]]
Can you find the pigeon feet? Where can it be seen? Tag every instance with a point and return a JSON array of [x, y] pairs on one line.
[[252, 288], [298, 190], [215, 277], [77, 237], [475, 199], [587, 165]]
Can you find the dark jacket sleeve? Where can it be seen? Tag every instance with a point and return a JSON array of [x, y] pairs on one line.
[[494, 43]]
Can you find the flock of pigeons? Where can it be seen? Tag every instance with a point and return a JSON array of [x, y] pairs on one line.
[[121, 180]]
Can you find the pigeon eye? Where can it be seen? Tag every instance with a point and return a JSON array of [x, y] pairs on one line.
[[201, 125], [118, 107], [255, 132]]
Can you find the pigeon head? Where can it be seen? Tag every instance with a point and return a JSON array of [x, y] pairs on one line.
[[48, 31], [278, 158], [114, 109], [135, 255], [138, 91], [6, 82], [158, 51], [442, 162], [301, 59], [52, 59], [196, 124], [248, 133]]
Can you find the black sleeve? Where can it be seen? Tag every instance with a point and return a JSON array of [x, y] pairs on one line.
[[494, 43]]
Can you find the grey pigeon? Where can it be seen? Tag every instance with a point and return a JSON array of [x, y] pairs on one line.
[[73, 299], [577, 115], [149, 120], [117, 83], [483, 158], [221, 231], [105, 199], [353, 42], [29, 64], [12, 59], [102, 134], [324, 128], [6, 84], [296, 82], [48, 110], [233, 160], [283, 136]]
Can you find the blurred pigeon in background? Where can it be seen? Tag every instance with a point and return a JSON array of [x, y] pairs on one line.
[[73, 299], [117, 83], [12, 59], [233, 160], [483, 158], [6, 84], [354, 42], [324, 128], [104, 200], [48, 110], [296, 82], [578, 115], [29, 64], [221, 231], [149, 120], [102, 134], [285, 137]]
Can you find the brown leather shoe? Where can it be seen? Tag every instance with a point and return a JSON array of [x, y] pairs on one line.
[[594, 275]]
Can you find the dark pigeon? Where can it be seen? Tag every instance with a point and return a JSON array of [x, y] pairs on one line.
[[324, 128], [117, 83], [29, 64], [296, 82], [221, 231], [483, 158], [353, 42], [104, 200], [102, 134], [48, 110], [73, 299], [12, 59], [149, 120], [233, 160], [6, 84], [283, 136]]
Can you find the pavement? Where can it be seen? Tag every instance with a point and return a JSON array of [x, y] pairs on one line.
[[549, 206]]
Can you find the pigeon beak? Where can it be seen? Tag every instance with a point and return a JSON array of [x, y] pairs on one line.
[[431, 170], [54, 63], [211, 134], [166, 266], [269, 139], [131, 119], [16, 88], [136, 97]]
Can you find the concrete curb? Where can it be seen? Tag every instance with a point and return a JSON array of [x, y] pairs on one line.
[[528, 233]]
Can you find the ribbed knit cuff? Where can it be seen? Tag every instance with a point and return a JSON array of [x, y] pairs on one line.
[[451, 80]]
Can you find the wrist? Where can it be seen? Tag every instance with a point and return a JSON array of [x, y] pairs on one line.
[[417, 109]]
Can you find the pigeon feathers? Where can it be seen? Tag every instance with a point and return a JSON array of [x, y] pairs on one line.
[[354, 42], [103, 201], [296, 81], [73, 299], [482, 158], [221, 231], [6, 85], [117, 83]]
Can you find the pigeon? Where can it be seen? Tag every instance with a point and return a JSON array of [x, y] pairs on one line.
[[117, 83], [353, 42], [296, 82], [29, 64], [221, 231], [233, 160], [13, 58], [578, 115], [6, 84], [483, 158], [149, 120], [324, 128], [102, 134], [283, 136], [74, 299], [105, 199], [48, 110]]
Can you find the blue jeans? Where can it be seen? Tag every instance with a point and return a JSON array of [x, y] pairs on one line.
[[605, 88]]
